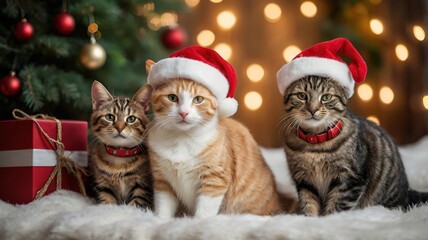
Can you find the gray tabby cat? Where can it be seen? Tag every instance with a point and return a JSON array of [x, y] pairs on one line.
[[337, 160], [119, 165]]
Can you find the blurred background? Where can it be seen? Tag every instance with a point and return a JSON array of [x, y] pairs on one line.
[[55, 60]]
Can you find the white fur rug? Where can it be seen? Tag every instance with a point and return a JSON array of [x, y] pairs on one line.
[[69, 215]]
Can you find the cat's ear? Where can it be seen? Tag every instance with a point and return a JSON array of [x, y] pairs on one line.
[[149, 64], [100, 95], [143, 96]]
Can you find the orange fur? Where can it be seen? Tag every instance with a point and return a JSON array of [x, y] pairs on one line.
[[231, 164]]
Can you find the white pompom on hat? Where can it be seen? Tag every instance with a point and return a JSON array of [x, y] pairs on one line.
[[204, 66], [325, 59]]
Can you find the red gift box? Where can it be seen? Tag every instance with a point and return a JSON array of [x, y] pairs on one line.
[[27, 158]]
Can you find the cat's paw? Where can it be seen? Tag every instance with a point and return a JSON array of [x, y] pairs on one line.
[[208, 206], [164, 215], [165, 205], [106, 200]]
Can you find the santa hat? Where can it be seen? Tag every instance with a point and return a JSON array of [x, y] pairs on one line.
[[204, 66], [324, 59]]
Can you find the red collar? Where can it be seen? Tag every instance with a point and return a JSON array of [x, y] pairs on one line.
[[124, 152], [322, 137]]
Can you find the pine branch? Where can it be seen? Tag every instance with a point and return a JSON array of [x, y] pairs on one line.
[[54, 44], [47, 84], [32, 89]]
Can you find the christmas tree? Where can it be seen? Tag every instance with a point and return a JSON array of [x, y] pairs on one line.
[[51, 51]]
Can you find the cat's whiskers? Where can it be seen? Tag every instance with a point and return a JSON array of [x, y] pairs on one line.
[[93, 140], [285, 122], [160, 124], [289, 122]]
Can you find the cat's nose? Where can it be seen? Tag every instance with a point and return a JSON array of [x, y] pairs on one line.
[[120, 125], [119, 128], [312, 111], [183, 114]]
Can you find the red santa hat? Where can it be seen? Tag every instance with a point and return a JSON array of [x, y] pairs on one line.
[[204, 66], [324, 59]]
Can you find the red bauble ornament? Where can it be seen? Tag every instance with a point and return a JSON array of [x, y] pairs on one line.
[[174, 38], [64, 23], [10, 85], [23, 31]]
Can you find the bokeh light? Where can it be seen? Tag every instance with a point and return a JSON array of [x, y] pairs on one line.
[[308, 9], [419, 33], [205, 38], [290, 52], [192, 3], [374, 119], [154, 22], [386, 95], [224, 50], [401, 52], [365, 92], [226, 20], [255, 72], [272, 12], [168, 19], [376, 26], [425, 101], [253, 100]]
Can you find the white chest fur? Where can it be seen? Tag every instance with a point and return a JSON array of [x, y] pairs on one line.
[[184, 179], [179, 161]]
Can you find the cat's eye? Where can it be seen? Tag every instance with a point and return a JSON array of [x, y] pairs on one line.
[[131, 119], [198, 99], [172, 98], [325, 97], [301, 95], [109, 117]]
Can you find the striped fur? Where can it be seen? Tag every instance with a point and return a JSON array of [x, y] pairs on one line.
[[120, 180], [207, 164], [358, 168]]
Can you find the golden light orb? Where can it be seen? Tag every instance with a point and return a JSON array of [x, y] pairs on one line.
[[255, 72], [192, 3], [419, 33], [168, 19], [401, 52], [365, 92], [425, 102], [386, 95], [376, 26], [226, 20], [272, 12], [253, 100], [224, 50], [205, 38], [374, 119], [308, 9], [290, 52]]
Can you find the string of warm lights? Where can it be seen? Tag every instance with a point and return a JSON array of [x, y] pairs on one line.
[[272, 12]]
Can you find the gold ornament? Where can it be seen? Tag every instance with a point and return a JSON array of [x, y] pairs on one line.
[[93, 55]]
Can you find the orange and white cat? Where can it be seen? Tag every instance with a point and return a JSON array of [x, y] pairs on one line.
[[203, 161]]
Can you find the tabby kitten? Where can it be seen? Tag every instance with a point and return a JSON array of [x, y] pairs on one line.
[[337, 160], [120, 168], [208, 164]]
